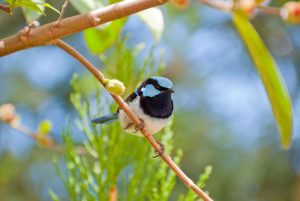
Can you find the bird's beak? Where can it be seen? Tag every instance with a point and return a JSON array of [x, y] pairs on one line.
[[171, 90]]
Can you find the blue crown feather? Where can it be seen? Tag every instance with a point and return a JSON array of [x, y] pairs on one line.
[[164, 82]]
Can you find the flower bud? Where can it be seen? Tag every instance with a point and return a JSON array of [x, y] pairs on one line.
[[290, 12], [7, 112], [114, 86], [246, 7], [181, 4]]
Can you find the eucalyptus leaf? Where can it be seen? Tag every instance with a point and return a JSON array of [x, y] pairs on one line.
[[32, 11], [84, 6], [99, 39], [154, 19], [270, 75]]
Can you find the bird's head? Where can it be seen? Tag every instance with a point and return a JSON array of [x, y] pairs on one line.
[[154, 86]]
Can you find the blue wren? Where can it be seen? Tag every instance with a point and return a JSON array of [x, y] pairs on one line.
[[151, 102]]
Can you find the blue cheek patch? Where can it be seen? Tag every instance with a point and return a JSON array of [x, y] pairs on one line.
[[150, 91], [164, 82]]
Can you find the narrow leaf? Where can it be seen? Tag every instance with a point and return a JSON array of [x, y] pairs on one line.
[[50, 7], [154, 19], [32, 11], [84, 6], [101, 38], [270, 75]]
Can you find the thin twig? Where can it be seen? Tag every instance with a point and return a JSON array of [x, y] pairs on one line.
[[228, 6], [50, 144], [100, 77], [113, 193], [62, 12], [5, 8], [218, 4], [269, 10]]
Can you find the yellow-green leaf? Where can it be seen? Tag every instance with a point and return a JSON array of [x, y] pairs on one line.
[[154, 19], [270, 75]]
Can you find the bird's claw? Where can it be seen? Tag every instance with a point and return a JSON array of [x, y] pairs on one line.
[[140, 126], [161, 151]]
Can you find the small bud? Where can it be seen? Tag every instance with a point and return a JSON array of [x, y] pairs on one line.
[[45, 127], [247, 7], [114, 86], [7, 112], [290, 12]]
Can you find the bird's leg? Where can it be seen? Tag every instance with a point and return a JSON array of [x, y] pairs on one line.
[[161, 150], [128, 126], [140, 126]]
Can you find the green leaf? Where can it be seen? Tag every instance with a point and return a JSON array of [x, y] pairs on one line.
[[84, 6], [45, 127], [50, 7], [154, 19], [270, 75], [99, 39], [32, 11]]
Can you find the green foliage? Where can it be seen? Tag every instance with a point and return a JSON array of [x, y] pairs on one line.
[[32, 9], [270, 75], [114, 159], [101, 38], [190, 196], [84, 6]]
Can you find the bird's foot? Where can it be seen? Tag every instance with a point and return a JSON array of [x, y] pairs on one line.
[[161, 151], [140, 126]]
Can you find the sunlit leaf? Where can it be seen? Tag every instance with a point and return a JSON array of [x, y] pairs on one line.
[[84, 6], [99, 39], [50, 7], [270, 75], [31, 11], [153, 18]]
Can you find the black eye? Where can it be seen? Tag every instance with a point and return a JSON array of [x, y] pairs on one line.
[[162, 88]]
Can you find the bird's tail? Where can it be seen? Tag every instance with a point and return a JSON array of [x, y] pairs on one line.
[[106, 119]]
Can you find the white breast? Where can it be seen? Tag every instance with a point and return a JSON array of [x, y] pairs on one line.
[[153, 125]]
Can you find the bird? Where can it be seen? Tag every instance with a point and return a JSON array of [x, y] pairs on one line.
[[152, 102]]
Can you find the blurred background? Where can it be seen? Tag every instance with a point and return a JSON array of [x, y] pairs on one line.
[[222, 115]]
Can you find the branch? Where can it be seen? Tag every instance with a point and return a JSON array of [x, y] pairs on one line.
[[100, 77], [5, 8], [9, 116], [45, 34], [113, 193], [269, 10], [226, 6], [218, 4]]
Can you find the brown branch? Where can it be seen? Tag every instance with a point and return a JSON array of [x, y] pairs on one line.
[[228, 6], [269, 10], [5, 8], [9, 116], [218, 4], [100, 77], [45, 141], [113, 193], [49, 32]]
